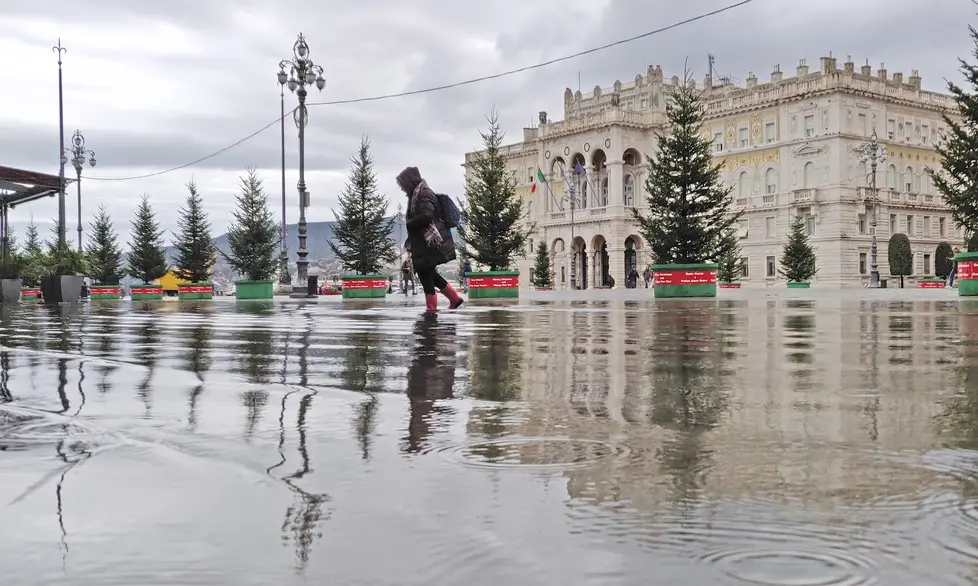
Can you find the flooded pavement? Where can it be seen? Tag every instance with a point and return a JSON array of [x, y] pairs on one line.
[[821, 440]]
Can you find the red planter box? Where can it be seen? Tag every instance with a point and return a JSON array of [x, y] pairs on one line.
[[729, 285], [931, 284]]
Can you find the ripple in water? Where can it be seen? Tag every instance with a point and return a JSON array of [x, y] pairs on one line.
[[777, 567], [534, 453]]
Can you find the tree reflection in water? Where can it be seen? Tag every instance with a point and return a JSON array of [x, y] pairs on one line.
[[147, 346], [198, 362], [364, 368]]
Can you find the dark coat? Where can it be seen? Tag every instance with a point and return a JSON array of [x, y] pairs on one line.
[[419, 215]]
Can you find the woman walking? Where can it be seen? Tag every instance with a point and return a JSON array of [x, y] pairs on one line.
[[429, 241]]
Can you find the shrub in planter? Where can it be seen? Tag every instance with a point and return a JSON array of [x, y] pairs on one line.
[[690, 208], [104, 257], [493, 227], [900, 256], [253, 240], [362, 233], [11, 272], [147, 261], [730, 264], [35, 264], [64, 272], [196, 252], [543, 275], [798, 257]]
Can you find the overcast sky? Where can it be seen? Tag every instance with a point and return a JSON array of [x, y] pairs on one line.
[[156, 85]]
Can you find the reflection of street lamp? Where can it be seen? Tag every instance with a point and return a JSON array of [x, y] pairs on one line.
[[77, 154], [874, 153], [297, 74]]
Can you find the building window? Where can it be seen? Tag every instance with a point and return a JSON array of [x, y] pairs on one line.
[[770, 181], [924, 134], [743, 228], [770, 132], [862, 124], [743, 185], [861, 223], [603, 199], [809, 126], [862, 175], [862, 263], [909, 134], [629, 190], [908, 180], [718, 142], [531, 250], [771, 268], [916, 183], [942, 227], [890, 129], [927, 233], [744, 138], [891, 177], [810, 225], [809, 175], [910, 226], [893, 224], [770, 227], [926, 264], [744, 267], [530, 175], [563, 274]]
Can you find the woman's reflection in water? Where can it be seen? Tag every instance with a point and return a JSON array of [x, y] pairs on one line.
[[430, 378]]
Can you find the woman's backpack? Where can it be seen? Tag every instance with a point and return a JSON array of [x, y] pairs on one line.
[[450, 213]]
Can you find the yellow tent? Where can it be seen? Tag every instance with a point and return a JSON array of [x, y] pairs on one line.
[[170, 282]]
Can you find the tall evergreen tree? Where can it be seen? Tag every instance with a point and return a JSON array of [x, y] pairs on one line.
[[62, 259], [195, 247], [362, 234], [689, 206], [730, 262], [797, 256], [36, 261], [32, 238], [103, 251], [492, 228], [147, 261], [543, 277], [900, 256], [958, 181], [253, 237]]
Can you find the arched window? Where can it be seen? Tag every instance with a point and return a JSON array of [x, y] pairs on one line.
[[891, 177], [583, 201], [770, 181], [743, 185], [862, 175], [604, 192], [628, 190], [908, 179], [809, 175]]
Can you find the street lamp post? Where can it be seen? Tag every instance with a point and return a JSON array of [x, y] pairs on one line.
[[78, 154], [875, 153], [62, 239], [298, 73], [284, 277]]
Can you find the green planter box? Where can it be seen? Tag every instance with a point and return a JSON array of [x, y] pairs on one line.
[[931, 284], [494, 285], [967, 273], [147, 293], [690, 280], [30, 294], [194, 291], [104, 292], [254, 289], [799, 285], [364, 286]]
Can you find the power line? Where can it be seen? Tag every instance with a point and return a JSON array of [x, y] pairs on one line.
[[440, 88]]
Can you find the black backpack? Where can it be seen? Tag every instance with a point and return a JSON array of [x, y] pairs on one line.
[[450, 213]]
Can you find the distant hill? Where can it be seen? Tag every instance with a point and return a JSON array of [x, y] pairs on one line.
[[317, 235]]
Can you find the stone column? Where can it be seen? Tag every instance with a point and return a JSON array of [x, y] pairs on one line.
[[616, 260], [616, 175]]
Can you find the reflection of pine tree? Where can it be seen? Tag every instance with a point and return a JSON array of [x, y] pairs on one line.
[[364, 363], [256, 365], [496, 356], [302, 520], [108, 343], [366, 422], [146, 354]]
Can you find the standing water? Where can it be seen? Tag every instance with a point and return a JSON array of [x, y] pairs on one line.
[[826, 441]]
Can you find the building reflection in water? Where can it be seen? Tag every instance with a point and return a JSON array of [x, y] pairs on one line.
[[430, 379]]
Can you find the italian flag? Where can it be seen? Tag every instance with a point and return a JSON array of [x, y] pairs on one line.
[[540, 178]]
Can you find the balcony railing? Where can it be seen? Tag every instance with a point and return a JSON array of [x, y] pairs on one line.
[[808, 195]]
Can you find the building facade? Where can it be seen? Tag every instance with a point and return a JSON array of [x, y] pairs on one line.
[[788, 147]]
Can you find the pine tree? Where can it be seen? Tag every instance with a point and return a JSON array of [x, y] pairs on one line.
[[362, 234], [147, 261], [797, 257], [103, 251], [195, 247], [730, 262], [491, 227], [958, 181], [542, 273], [900, 255], [62, 259], [943, 260], [689, 206], [253, 237], [32, 242], [9, 243], [36, 261]]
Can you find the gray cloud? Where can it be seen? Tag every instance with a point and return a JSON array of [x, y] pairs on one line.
[[146, 104]]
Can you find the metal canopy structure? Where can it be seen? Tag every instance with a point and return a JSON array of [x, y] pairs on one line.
[[19, 186]]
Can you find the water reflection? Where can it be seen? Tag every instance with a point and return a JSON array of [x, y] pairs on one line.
[[752, 440], [430, 379]]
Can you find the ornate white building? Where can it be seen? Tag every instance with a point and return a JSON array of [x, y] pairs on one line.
[[788, 146]]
